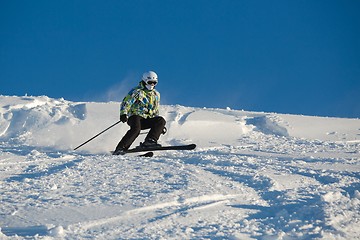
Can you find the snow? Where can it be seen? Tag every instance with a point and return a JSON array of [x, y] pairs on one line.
[[253, 175]]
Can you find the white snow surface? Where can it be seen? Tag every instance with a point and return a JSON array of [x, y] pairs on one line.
[[253, 175]]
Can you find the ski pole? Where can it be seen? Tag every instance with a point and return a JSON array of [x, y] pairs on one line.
[[97, 135]]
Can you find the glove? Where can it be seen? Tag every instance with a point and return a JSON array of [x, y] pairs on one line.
[[123, 118]]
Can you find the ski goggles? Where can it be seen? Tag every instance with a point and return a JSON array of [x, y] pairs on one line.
[[152, 83]]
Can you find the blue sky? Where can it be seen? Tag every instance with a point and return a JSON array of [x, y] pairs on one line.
[[300, 57]]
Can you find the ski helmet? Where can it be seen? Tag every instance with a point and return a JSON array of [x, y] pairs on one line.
[[150, 79]]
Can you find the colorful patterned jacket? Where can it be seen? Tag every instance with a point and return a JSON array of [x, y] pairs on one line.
[[141, 102]]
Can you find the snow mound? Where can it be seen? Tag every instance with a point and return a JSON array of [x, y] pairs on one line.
[[57, 123]]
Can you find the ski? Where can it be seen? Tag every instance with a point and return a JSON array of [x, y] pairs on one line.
[[148, 154], [162, 148]]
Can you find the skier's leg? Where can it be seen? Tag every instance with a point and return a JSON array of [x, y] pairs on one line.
[[135, 127], [156, 126]]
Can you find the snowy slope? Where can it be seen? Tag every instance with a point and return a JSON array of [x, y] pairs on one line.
[[253, 176]]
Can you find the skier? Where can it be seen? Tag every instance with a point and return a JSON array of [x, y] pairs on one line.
[[140, 109]]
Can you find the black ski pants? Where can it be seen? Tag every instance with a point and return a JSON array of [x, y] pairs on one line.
[[137, 124]]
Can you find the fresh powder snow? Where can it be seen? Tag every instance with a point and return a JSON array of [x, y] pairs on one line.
[[253, 175]]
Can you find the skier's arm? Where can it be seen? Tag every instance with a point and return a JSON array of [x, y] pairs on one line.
[[157, 104], [128, 101]]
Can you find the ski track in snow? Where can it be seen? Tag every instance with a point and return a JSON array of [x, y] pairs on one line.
[[253, 175]]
